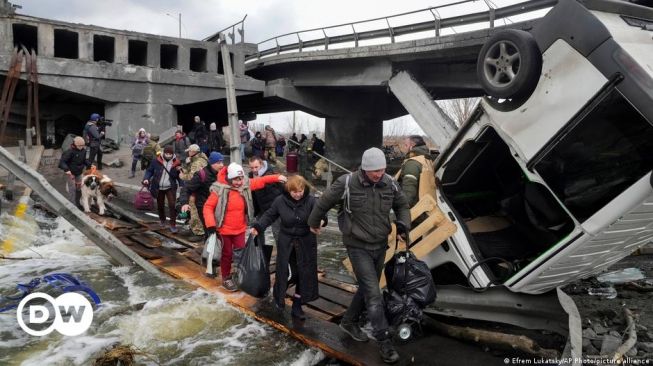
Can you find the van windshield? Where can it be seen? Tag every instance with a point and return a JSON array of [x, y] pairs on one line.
[[603, 155]]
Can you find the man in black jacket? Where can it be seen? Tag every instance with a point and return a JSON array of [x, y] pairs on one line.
[[198, 135], [263, 200], [73, 162], [200, 185], [94, 135], [369, 195]]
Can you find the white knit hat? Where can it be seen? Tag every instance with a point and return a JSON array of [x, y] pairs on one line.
[[373, 159], [235, 170]]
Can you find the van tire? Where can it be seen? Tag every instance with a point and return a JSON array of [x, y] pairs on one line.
[[509, 64]]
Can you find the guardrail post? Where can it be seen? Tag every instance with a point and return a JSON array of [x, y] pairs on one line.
[[392, 34], [355, 35], [326, 40], [436, 23], [232, 35], [299, 42]]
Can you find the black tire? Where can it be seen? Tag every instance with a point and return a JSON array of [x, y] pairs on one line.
[[509, 65]]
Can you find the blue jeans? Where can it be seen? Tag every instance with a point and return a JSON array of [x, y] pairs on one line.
[[367, 265]]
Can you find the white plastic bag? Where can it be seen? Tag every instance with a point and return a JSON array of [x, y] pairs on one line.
[[212, 253]]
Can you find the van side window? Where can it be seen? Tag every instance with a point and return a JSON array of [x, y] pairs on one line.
[[603, 155]]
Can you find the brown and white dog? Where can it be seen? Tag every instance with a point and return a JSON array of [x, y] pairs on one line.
[[96, 187]]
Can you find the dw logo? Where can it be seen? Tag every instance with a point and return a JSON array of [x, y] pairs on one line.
[[72, 312]]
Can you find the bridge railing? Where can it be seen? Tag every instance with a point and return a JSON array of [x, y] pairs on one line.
[[392, 32], [232, 35]]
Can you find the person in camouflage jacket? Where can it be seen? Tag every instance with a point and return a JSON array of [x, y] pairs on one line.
[[194, 162]]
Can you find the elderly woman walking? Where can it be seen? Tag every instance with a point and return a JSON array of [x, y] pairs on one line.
[[293, 209]]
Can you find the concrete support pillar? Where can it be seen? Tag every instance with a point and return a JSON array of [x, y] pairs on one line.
[[5, 28], [153, 53], [212, 59], [128, 118], [45, 40], [419, 103], [121, 50], [347, 138], [85, 46], [183, 58]]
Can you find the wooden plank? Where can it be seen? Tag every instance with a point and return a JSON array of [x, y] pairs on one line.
[[426, 203], [181, 240], [110, 222], [145, 253], [335, 295], [352, 288], [331, 308], [147, 239], [427, 225], [434, 239]]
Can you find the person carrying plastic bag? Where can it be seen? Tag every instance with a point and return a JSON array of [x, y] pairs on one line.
[[228, 210], [293, 208]]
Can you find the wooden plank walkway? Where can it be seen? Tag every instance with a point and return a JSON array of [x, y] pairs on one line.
[[319, 330]]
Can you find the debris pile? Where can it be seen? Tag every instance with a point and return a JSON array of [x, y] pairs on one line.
[[616, 312]]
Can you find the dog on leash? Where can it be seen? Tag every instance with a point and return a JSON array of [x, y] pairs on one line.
[[96, 187]]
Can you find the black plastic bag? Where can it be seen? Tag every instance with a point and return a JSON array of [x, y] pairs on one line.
[[401, 308], [408, 275], [252, 274]]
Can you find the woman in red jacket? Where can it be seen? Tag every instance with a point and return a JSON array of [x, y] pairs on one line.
[[229, 218]]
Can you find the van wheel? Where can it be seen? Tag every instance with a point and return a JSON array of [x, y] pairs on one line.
[[509, 64]]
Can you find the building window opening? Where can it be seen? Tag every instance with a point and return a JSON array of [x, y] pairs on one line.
[[66, 44], [169, 56], [103, 48], [137, 53], [25, 35], [198, 59], [221, 64]]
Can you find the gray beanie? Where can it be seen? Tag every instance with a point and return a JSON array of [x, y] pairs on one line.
[[373, 159]]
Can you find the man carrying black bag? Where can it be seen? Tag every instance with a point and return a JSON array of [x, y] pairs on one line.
[[369, 195]]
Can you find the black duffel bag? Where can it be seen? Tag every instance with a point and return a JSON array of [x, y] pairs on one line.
[[406, 274], [252, 274]]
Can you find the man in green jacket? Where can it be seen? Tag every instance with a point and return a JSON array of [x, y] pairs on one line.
[[416, 175], [369, 195]]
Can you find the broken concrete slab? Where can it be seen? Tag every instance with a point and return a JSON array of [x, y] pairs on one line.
[[610, 344]]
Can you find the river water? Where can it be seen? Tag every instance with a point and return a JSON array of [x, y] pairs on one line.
[[169, 321]]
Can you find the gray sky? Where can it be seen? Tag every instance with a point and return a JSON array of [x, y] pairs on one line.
[[265, 19]]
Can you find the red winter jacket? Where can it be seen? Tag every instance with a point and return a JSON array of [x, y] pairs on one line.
[[235, 217]]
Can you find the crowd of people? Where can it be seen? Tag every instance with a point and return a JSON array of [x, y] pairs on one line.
[[224, 201]]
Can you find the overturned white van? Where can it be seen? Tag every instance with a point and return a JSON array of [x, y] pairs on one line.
[[550, 180]]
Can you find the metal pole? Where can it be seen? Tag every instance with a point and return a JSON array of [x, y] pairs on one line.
[[232, 106], [179, 25]]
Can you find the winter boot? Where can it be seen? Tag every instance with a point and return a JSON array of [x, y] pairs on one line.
[[297, 311], [387, 351], [354, 331]]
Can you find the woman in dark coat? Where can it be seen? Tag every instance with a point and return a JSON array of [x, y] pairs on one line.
[[162, 179], [293, 209]]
